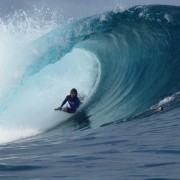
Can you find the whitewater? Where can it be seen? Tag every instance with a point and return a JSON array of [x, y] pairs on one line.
[[124, 64]]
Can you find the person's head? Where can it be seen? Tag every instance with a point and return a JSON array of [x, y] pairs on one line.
[[159, 109], [73, 93]]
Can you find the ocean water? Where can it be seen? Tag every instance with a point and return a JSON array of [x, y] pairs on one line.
[[124, 63]]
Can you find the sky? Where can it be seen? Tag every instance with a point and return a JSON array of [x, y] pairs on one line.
[[75, 8]]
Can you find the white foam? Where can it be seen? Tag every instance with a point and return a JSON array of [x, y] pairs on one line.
[[168, 18], [32, 111], [166, 100], [9, 135], [16, 33], [103, 18]]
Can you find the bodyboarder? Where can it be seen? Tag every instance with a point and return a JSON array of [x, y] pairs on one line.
[[73, 101]]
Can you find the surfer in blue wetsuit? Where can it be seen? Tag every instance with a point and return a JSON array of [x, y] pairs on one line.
[[73, 101]]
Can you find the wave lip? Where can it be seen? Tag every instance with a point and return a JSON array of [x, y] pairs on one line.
[[123, 63], [139, 54]]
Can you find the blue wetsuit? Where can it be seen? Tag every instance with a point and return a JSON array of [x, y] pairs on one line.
[[73, 102]]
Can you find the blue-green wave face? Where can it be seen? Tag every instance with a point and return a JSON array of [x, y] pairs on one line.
[[122, 64]]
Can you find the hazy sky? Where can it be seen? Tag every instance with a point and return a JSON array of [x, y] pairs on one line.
[[75, 8]]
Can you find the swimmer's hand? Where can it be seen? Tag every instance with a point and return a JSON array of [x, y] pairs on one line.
[[59, 108]]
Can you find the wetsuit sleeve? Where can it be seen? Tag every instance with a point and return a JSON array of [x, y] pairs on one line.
[[64, 102]]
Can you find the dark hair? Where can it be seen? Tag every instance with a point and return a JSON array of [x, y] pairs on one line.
[[74, 91]]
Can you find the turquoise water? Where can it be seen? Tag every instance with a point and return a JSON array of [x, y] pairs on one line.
[[124, 65]]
